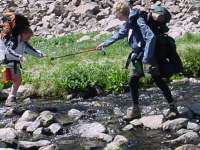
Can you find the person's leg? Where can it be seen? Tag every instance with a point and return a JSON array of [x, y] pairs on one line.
[[173, 113], [16, 80]]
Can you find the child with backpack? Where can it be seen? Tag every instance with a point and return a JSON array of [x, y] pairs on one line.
[[15, 37], [142, 39]]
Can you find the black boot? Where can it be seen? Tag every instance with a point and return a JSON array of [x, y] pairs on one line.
[[173, 112]]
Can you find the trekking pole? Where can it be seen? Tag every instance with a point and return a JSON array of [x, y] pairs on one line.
[[88, 50]]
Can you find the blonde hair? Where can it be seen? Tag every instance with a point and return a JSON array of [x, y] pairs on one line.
[[121, 7]]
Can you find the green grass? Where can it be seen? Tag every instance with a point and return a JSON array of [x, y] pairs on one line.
[[78, 73]]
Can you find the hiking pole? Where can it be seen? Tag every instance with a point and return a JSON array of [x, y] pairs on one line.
[[88, 50]]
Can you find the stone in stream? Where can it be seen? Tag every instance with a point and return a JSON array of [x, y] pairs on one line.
[[55, 128], [22, 125], [8, 135], [33, 126], [33, 145], [183, 131], [118, 141], [46, 118], [193, 126], [74, 113], [190, 137], [49, 147], [152, 122], [188, 147], [128, 127], [28, 116], [175, 124], [38, 131]]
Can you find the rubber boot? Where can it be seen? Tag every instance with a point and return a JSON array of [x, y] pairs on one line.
[[132, 113], [173, 112]]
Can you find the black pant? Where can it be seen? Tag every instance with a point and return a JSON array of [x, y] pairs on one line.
[[134, 88]]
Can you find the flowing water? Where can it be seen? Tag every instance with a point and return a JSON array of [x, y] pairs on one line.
[[102, 110]]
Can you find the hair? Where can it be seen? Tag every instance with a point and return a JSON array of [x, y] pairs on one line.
[[121, 7], [13, 25]]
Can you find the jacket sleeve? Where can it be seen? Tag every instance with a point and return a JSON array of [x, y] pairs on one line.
[[11, 46], [30, 50], [122, 33], [149, 38]]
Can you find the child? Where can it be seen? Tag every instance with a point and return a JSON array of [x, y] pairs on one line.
[[17, 45]]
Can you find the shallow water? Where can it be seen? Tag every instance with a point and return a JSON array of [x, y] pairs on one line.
[[100, 109]]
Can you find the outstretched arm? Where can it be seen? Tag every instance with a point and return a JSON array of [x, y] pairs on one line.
[[30, 50], [149, 38]]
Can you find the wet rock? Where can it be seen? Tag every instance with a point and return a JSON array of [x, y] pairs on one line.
[[128, 127], [25, 91], [28, 116], [49, 147], [46, 118], [195, 108], [55, 128], [183, 131], [74, 113], [33, 126], [136, 123], [188, 147], [22, 125], [64, 120], [8, 135], [33, 145], [186, 138], [193, 126], [38, 131], [89, 130], [104, 137], [118, 141], [152, 122], [175, 124]]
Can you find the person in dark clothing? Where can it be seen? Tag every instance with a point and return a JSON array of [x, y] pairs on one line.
[[142, 40]]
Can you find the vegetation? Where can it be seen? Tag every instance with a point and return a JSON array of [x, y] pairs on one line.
[[80, 72]]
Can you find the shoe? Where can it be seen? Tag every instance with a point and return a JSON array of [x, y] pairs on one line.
[[173, 112], [132, 113], [11, 101]]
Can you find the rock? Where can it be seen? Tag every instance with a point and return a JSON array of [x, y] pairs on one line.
[[84, 38], [55, 128], [33, 145], [183, 131], [136, 123], [73, 113], [128, 127], [89, 130], [175, 9], [112, 25], [8, 135], [46, 118], [76, 2], [38, 131], [116, 143], [193, 126], [152, 122], [195, 108], [33, 126], [89, 8], [22, 125], [175, 124], [104, 137], [25, 91], [186, 138], [188, 147], [49, 147], [28, 116]]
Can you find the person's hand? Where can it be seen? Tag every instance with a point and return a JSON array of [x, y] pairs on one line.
[[23, 60], [100, 47], [44, 55]]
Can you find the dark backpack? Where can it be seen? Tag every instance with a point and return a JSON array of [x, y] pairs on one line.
[[167, 57]]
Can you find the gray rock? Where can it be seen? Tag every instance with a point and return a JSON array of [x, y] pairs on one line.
[[38, 131], [55, 128], [152, 122], [186, 138], [183, 131], [8, 135], [188, 147], [128, 127], [74, 113], [28, 116], [136, 123], [193, 126], [175, 124], [22, 125], [46, 118], [116, 143], [25, 91], [89, 130], [33, 126], [33, 145], [49, 147], [104, 137]]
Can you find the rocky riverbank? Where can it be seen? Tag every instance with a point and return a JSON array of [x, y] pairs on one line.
[[60, 17]]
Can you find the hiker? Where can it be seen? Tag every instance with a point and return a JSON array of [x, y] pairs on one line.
[[142, 40], [16, 34]]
